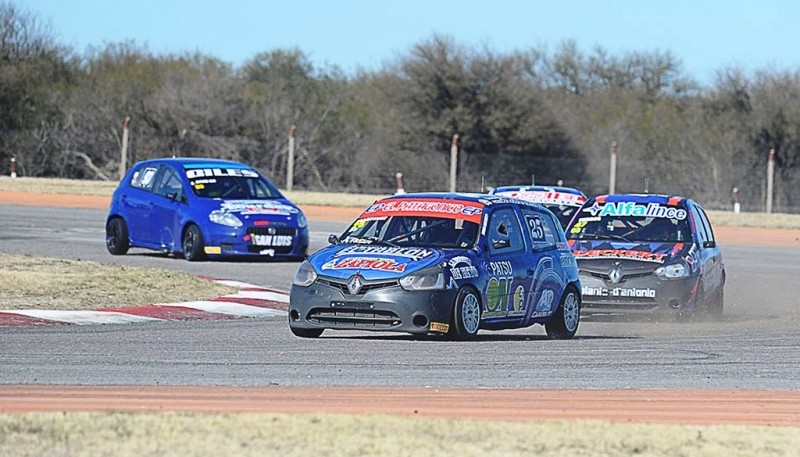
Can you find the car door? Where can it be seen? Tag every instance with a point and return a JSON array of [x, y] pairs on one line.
[[506, 266], [709, 253], [546, 274], [137, 205], [169, 203]]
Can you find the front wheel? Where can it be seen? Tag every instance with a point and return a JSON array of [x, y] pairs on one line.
[[564, 323], [306, 332], [117, 241], [193, 248], [466, 315]]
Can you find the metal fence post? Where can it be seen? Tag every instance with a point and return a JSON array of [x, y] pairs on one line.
[[770, 177], [612, 172], [290, 161], [453, 161]]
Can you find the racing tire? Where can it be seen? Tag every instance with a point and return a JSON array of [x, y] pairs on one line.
[[466, 315], [564, 323], [306, 332], [117, 240], [192, 243]]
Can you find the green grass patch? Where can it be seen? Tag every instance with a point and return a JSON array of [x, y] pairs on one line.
[[30, 282], [188, 434]]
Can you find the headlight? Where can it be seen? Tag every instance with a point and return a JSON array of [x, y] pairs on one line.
[[305, 276], [430, 279], [301, 220], [676, 270], [223, 218]]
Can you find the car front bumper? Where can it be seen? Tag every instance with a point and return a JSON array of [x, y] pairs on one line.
[[647, 295], [222, 241], [387, 307]]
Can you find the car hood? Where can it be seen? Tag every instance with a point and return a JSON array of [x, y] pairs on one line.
[[641, 256], [373, 261]]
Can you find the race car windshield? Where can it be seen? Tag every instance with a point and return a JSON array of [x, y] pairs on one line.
[[563, 213], [234, 187], [631, 229], [416, 231]]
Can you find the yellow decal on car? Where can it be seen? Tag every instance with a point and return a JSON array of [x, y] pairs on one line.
[[212, 250], [439, 327]]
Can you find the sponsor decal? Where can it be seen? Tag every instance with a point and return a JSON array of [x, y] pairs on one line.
[[545, 300], [414, 254], [212, 250], [644, 256], [497, 294], [439, 327], [365, 263], [219, 172], [355, 240], [269, 252], [568, 261], [272, 240], [501, 268], [546, 197], [246, 207], [461, 268], [618, 292], [452, 209], [536, 314], [517, 302], [636, 209]]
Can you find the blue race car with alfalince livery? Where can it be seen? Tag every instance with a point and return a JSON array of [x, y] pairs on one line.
[[642, 254], [204, 208], [441, 263]]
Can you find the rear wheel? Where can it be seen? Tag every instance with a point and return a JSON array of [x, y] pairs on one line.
[[564, 323], [306, 332], [117, 241], [466, 315], [192, 244]]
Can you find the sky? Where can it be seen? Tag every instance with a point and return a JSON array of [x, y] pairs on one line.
[[705, 35]]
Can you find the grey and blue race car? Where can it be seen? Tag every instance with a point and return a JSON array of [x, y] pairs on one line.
[[443, 263], [647, 255]]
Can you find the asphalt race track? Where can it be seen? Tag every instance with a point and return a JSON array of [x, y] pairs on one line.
[[755, 346]]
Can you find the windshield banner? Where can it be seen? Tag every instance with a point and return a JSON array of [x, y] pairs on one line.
[[450, 209]]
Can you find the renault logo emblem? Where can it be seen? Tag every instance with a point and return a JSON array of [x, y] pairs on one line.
[[354, 284], [615, 275]]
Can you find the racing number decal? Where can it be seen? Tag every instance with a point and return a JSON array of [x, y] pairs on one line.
[[536, 229]]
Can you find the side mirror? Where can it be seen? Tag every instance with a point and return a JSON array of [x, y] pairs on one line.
[[333, 239], [501, 243], [709, 244]]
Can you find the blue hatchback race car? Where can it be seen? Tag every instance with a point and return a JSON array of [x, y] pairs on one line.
[[204, 208], [441, 263], [647, 255]]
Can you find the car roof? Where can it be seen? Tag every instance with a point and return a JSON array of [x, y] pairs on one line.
[[484, 199], [669, 200], [560, 189], [195, 161]]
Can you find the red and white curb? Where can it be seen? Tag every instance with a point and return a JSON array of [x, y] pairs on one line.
[[249, 301]]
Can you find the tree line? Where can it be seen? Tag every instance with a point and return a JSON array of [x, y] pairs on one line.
[[526, 116]]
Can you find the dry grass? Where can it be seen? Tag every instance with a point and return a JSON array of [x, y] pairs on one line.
[[28, 282], [184, 434]]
